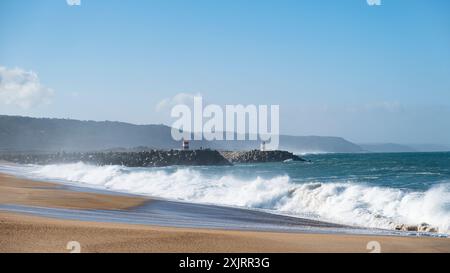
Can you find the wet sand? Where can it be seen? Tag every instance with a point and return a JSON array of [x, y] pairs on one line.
[[25, 233], [21, 233], [32, 193]]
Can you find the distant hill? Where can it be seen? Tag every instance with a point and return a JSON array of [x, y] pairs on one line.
[[294, 144], [44, 135], [318, 144]]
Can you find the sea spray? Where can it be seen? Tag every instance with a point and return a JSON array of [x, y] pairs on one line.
[[342, 202]]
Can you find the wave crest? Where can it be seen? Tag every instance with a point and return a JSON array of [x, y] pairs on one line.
[[345, 203]]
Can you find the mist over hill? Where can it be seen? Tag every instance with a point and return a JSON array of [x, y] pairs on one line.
[[43, 134], [387, 148], [51, 135]]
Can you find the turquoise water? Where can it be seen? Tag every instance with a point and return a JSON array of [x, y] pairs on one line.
[[409, 171], [364, 190]]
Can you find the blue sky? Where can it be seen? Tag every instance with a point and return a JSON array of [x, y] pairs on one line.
[[366, 73]]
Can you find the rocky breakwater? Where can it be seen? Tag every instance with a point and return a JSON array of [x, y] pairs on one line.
[[152, 158], [257, 156]]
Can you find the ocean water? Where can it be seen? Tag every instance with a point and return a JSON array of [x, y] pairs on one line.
[[364, 190]]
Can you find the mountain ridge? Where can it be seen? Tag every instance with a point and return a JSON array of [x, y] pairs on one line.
[[18, 133]]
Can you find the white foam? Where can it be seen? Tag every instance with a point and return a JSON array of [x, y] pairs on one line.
[[346, 203]]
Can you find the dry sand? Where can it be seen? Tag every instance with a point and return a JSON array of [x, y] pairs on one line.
[[23, 233]]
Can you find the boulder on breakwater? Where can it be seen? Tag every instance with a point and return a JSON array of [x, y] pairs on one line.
[[257, 156], [151, 158], [154, 158]]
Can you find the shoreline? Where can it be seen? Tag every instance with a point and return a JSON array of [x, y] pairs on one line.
[[24, 232], [20, 191]]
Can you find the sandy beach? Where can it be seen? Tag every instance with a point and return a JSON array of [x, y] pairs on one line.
[[43, 194], [26, 233]]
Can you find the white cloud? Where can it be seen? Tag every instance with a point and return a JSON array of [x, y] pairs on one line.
[[374, 2], [22, 88], [180, 98], [73, 2]]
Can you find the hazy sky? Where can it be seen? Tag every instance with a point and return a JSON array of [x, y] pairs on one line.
[[369, 73]]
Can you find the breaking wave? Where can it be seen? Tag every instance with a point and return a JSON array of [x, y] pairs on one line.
[[340, 202]]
